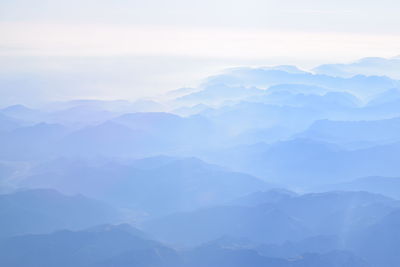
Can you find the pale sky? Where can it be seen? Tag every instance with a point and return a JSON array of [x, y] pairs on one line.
[[126, 49]]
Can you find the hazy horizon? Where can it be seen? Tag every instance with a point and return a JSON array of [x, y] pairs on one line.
[[127, 50]]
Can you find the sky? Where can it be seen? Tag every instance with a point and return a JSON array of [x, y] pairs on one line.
[[113, 49]]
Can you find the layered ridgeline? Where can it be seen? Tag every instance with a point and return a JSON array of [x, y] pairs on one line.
[[269, 166]]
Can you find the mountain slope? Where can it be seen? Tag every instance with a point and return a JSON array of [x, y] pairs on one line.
[[104, 246], [43, 210], [158, 185]]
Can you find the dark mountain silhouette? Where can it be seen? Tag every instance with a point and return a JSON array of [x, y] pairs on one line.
[[358, 84], [388, 186], [122, 245], [43, 210], [139, 135], [367, 66], [337, 213], [155, 185], [218, 94], [100, 246], [303, 163], [297, 89], [110, 139], [291, 219], [260, 224], [385, 98], [25, 114], [379, 243], [263, 197], [353, 133], [31, 142], [8, 124], [212, 256]]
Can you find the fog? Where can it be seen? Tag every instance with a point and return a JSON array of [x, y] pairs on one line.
[[250, 166]]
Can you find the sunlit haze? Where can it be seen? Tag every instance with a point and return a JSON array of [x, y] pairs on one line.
[[58, 50]]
